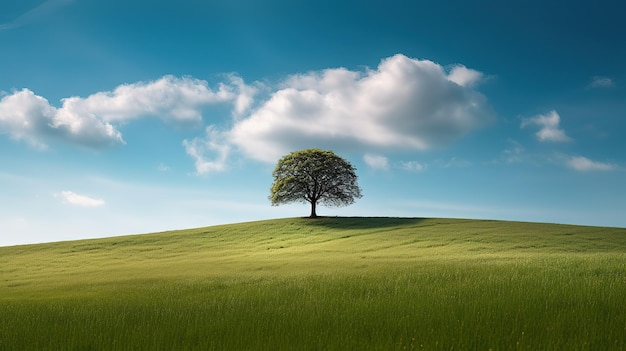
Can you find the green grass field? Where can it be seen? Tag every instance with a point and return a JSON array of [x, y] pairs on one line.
[[324, 284]]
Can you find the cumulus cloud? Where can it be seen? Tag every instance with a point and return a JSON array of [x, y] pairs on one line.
[[376, 161], [80, 200], [210, 153], [92, 121], [404, 104], [179, 99], [601, 82], [29, 117], [168, 98], [549, 129], [581, 163], [25, 116]]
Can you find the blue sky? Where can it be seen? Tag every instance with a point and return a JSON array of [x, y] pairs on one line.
[[121, 117]]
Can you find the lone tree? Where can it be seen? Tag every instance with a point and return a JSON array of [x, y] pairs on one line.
[[314, 176]]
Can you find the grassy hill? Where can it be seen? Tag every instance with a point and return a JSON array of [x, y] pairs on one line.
[[329, 283]]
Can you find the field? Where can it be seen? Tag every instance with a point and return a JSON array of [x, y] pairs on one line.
[[324, 284]]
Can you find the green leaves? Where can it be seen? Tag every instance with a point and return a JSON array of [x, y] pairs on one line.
[[314, 176]]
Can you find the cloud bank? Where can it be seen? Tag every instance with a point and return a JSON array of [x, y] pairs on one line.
[[403, 104]]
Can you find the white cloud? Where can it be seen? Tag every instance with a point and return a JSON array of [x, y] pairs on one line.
[[376, 161], [580, 163], [169, 98], [412, 166], [80, 200], [601, 82], [24, 116], [210, 154], [91, 121], [549, 129], [464, 76], [245, 95], [404, 104]]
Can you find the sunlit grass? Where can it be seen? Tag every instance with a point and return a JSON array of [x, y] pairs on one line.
[[330, 283]]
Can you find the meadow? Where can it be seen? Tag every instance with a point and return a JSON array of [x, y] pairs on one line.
[[323, 284]]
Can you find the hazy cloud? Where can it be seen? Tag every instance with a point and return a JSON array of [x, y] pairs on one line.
[[403, 104], [549, 129], [601, 82], [376, 161], [580, 163], [80, 200], [210, 153], [455, 162], [412, 166], [34, 14], [514, 153]]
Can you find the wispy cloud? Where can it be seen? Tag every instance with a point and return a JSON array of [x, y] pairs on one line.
[[514, 153], [80, 200], [35, 14], [455, 162], [581, 163], [376, 161], [601, 82], [549, 129], [210, 153], [412, 166]]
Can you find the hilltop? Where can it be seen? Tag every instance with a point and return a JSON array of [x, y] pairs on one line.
[[372, 283]]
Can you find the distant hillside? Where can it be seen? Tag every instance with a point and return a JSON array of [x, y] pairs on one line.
[[302, 241]]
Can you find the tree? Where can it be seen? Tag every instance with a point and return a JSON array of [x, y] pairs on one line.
[[314, 176]]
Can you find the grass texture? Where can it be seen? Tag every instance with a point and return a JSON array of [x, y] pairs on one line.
[[323, 284]]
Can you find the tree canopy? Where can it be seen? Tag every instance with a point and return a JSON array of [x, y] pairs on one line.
[[314, 176]]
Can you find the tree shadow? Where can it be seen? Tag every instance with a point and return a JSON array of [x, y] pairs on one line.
[[360, 222]]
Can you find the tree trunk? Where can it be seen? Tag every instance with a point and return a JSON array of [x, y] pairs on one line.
[[313, 213]]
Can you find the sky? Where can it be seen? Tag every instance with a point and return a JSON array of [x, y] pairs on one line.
[[130, 116]]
